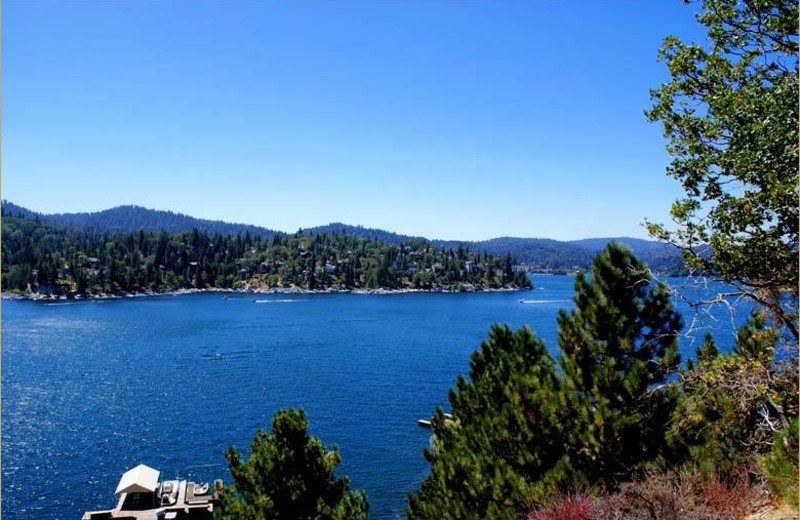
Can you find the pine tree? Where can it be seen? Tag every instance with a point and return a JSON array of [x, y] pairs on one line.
[[508, 271], [520, 432], [618, 343], [289, 476], [503, 434]]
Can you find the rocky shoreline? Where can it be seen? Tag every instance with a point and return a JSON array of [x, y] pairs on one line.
[[34, 296]]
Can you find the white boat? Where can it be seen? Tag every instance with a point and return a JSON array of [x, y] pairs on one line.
[[425, 423]]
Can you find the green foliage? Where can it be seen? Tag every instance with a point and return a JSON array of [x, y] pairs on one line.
[[730, 113], [620, 340], [503, 434], [782, 465], [732, 404], [44, 257], [521, 431], [17, 278], [289, 476]]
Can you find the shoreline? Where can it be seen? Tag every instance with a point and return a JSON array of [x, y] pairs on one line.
[[33, 296]]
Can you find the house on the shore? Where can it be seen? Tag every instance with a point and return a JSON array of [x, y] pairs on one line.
[[470, 267]]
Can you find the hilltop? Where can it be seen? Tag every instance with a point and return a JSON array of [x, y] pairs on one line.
[[131, 218]]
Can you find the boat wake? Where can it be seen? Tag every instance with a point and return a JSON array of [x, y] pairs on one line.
[[278, 301], [535, 302]]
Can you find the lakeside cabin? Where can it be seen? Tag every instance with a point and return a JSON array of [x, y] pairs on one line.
[[142, 496]]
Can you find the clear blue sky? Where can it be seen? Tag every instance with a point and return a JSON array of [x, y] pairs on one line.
[[461, 120]]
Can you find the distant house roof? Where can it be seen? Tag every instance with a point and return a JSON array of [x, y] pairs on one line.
[[141, 479]]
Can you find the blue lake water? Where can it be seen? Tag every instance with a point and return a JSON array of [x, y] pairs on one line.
[[91, 389]]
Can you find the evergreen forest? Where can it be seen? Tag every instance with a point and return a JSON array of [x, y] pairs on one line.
[[50, 259]]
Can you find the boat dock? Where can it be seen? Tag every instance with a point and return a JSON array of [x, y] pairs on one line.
[[142, 496]]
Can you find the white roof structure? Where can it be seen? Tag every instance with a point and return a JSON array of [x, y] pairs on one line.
[[141, 479]]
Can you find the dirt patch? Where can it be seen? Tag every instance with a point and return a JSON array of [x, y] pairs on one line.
[[773, 513]]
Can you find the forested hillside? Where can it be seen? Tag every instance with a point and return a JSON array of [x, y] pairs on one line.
[[539, 254], [536, 254], [48, 258]]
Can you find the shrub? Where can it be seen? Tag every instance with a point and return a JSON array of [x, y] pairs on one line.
[[731, 497], [570, 507], [680, 497], [732, 403], [781, 465]]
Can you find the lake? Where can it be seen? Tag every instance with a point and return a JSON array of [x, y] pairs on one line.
[[93, 388]]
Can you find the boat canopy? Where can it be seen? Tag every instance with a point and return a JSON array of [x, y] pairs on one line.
[[141, 479]]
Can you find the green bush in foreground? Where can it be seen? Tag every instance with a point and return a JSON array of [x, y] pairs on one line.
[[732, 404], [782, 465], [503, 434], [289, 476]]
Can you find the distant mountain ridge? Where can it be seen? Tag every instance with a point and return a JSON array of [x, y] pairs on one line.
[[131, 218], [540, 253], [544, 253]]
